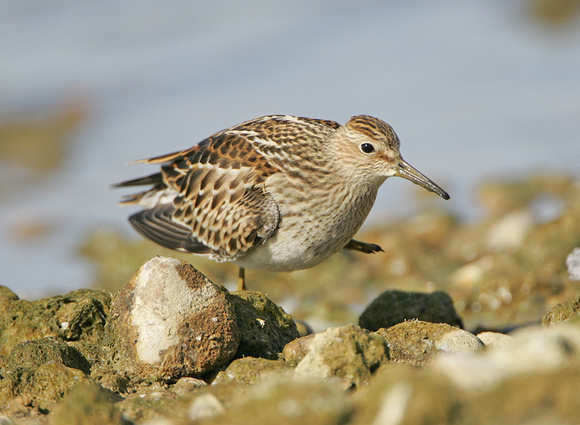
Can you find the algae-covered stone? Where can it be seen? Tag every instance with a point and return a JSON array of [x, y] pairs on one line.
[[264, 327], [38, 374], [170, 321], [419, 396], [205, 406], [407, 395], [392, 307], [250, 370], [415, 342], [287, 402], [566, 312], [79, 315], [25, 390], [41, 351], [347, 352], [87, 404], [532, 378]]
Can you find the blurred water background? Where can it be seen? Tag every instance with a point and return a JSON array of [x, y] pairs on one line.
[[476, 90]]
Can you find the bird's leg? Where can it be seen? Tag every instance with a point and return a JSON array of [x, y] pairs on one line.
[[242, 279], [367, 248]]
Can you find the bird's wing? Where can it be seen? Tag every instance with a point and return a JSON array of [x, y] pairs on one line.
[[211, 201], [212, 198]]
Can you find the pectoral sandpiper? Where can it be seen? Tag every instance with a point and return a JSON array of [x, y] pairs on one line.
[[274, 193]]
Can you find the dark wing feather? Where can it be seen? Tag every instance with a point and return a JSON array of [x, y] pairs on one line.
[[156, 224]]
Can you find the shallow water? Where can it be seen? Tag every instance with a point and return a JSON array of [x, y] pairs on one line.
[[474, 89]]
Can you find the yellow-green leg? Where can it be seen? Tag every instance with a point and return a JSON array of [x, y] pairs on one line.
[[242, 279]]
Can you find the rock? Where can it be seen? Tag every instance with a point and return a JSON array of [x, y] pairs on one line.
[[85, 405], [187, 385], [303, 328], [35, 390], [392, 307], [568, 311], [532, 350], [493, 339], [151, 404], [573, 263], [37, 374], [416, 342], [347, 352], [287, 401], [170, 321], [39, 352], [297, 349], [406, 395], [531, 378], [204, 407], [251, 370], [264, 327], [77, 316]]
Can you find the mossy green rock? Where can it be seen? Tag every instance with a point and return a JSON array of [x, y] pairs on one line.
[[264, 327], [416, 342], [412, 396], [392, 307], [26, 390], [288, 402], [251, 370], [566, 312], [47, 350], [347, 352], [87, 404], [77, 316]]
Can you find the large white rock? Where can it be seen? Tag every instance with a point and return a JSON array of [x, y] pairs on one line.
[[171, 321]]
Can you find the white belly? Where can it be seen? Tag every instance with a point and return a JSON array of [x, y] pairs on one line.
[[310, 230]]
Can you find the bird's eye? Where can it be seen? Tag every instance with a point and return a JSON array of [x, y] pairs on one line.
[[367, 148]]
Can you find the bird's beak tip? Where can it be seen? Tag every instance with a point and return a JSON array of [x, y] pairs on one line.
[[412, 174]]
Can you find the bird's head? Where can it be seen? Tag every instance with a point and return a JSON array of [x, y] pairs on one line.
[[370, 147]]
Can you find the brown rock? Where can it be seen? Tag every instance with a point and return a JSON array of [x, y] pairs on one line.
[[170, 321]]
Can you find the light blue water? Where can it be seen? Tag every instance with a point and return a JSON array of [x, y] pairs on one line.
[[474, 89]]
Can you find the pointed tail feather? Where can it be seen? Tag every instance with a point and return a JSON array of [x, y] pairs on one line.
[[152, 179]]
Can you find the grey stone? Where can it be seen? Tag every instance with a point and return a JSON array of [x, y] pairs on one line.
[[392, 307], [493, 339]]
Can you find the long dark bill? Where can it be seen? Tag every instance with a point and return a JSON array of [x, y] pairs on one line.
[[408, 172]]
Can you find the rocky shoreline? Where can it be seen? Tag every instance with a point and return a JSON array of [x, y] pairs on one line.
[[171, 347], [443, 327]]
